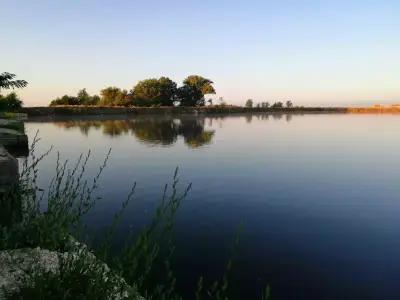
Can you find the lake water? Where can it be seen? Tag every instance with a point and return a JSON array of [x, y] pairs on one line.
[[318, 195]]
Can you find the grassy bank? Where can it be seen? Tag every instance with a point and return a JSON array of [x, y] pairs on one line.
[[114, 110]]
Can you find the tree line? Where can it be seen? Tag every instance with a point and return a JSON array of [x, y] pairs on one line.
[[150, 92], [278, 104]]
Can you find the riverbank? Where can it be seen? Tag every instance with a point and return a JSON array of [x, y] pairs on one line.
[[113, 110], [378, 109]]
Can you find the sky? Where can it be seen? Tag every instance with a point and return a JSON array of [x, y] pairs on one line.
[[310, 52]]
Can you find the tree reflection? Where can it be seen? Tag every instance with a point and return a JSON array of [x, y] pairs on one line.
[[153, 131], [194, 134]]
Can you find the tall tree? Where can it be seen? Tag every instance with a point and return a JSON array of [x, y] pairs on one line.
[[278, 104], [83, 97], [113, 96], [168, 90], [249, 103], [265, 105], [154, 91], [289, 104], [193, 91], [7, 81]]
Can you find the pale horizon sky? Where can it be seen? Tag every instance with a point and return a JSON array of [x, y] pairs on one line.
[[310, 52]]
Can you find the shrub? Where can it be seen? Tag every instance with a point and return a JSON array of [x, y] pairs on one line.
[[277, 105], [114, 96], [11, 102], [82, 98], [154, 92], [249, 103]]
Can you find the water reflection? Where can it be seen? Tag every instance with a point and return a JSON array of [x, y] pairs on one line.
[[158, 130], [265, 116], [154, 131], [314, 202]]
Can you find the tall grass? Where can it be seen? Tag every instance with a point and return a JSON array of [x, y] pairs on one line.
[[53, 219]]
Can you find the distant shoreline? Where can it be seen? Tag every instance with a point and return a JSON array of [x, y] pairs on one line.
[[109, 110]]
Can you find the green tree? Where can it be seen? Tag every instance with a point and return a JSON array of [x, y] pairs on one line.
[[94, 100], [193, 91], [64, 100], [82, 98], [168, 90], [289, 104], [114, 96], [154, 92], [7, 81], [265, 104], [277, 105], [11, 102], [249, 103]]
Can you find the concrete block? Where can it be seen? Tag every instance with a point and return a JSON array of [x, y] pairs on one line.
[[8, 168]]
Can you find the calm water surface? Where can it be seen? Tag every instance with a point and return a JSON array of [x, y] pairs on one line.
[[318, 195]]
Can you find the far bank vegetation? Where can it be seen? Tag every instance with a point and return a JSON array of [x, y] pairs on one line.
[[153, 92]]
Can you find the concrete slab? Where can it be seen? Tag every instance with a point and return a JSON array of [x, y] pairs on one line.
[[8, 168], [11, 137], [12, 124]]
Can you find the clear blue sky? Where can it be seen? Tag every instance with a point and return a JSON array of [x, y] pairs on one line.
[[325, 52]]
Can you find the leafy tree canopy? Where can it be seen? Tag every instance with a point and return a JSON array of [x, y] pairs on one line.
[[82, 98], [154, 92], [7, 81], [149, 92], [64, 100], [249, 103], [11, 102], [193, 90], [277, 105], [265, 104], [289, 104], [114, 96]]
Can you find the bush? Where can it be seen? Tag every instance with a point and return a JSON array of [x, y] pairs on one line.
[[11, 102], [277, 105], [64, 100], [154, 92], [113, 96], [82, 98], [249, 103]]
